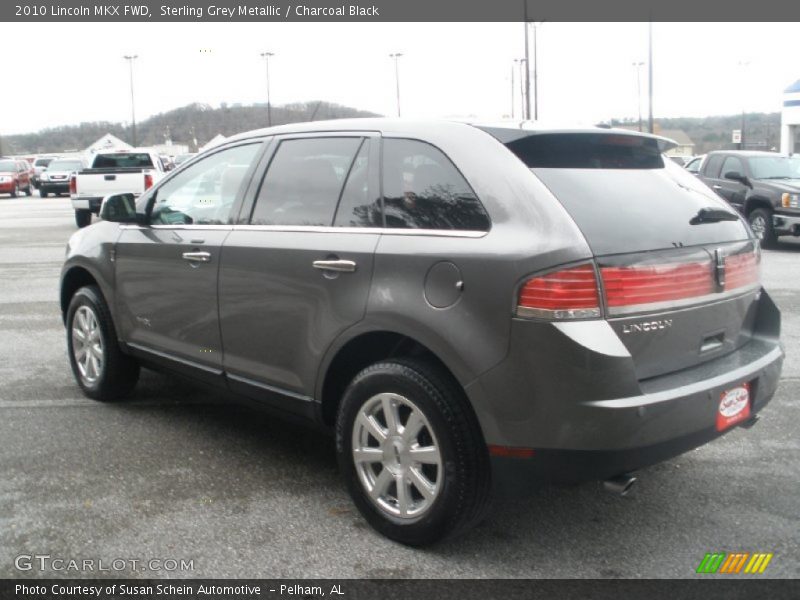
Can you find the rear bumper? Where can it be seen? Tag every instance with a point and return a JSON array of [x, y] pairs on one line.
[[7, 187], [586, 415], [87, 202]]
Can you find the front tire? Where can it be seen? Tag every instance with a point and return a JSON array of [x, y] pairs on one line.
[[100, 367], [760, 221], [42, 193], [411, 452], [83, 217]]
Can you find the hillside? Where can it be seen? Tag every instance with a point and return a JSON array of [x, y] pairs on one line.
[[183, 125], [762, 130], [200, 122]]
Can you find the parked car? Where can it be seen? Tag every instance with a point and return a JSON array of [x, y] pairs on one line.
[[693, 166], [112, 173], [454, 302], [55, 179], [15, 177], [763, 186], [40, 163]]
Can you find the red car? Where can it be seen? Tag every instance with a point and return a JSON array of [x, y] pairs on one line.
[[15, 177]]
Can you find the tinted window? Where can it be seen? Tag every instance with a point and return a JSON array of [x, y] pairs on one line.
[[732, 163], [42, 162], [123, 161], [422, 189], [304, 181], [713, 165], [588, 151], [356, 208], [204, 193]]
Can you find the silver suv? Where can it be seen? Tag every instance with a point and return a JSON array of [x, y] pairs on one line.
[[454, 302]]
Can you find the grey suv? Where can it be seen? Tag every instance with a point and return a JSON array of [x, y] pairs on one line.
[[455, 302]]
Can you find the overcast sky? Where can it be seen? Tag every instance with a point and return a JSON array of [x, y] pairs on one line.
[[77, 73]]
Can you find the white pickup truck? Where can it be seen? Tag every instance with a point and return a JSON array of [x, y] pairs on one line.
[[129, 171]]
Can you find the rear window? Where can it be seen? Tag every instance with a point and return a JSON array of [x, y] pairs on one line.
[[123, 161], [7, 165], [42, 162], [588, 151]]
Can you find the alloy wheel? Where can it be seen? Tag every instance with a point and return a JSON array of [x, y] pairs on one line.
[[87, 345], [397, 456]]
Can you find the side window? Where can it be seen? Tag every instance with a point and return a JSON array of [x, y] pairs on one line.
[[204, 193], [422, 189], [732, 163], [304, 181], [356, 208], [714, 163], [694, 165]]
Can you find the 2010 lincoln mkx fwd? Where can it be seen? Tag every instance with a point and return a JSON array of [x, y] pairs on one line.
[[453, 301]]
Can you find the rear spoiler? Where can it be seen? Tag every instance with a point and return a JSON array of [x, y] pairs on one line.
[[506, 135]]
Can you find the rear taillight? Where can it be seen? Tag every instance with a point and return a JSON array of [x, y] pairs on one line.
[[742, 270], [73, 184], [574, 293], [148, 181], [567, 294], [647, 284]]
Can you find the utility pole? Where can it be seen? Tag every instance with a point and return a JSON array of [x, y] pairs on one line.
[[522, 95], [396, 56], [513, 87], [130, 58], [527, 113], [535, 73], [650, 126], [266, 56], [638, 66]]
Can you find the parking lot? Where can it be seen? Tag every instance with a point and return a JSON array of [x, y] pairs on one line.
[[179, 472]]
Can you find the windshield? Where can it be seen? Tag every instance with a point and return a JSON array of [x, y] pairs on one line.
[[775, 167], [65, 165], [7, 165]]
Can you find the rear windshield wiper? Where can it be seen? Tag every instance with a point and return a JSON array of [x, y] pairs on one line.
[[713, 215]]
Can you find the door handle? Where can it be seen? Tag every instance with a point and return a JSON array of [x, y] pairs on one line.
[[197, 256], [340, 266]]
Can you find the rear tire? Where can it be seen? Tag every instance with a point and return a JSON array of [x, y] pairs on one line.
[[83, 217], [15, 191], [760, 221], [29, 190], [437, 499], [100, 367], [42, 193]]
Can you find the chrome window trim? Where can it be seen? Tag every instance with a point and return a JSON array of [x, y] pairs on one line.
[[321, 229]]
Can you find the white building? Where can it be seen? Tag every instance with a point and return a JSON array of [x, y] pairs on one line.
[[790, 119]]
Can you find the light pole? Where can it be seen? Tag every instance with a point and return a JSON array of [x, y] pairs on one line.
[[130, 58], [743, 64], [527, 95], [266, 56], [396, 56], [523, 92], [638, 66]]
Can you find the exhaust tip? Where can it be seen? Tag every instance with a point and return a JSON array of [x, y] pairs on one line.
[[620, 485]]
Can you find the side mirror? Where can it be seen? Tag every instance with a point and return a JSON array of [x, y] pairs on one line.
[[736, 176], [120, 208]]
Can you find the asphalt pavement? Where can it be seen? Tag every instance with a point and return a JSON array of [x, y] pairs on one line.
[[180, 473]]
